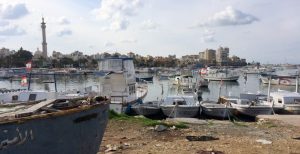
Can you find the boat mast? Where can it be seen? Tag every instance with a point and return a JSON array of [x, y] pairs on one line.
[[269, 88], [297, 83]]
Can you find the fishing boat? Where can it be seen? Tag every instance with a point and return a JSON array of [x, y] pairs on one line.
[[215, 110], [279, 80], [249, 108], [55, 126], [221, 75], [180, 106], [185, 81], [144, 79], [289, 101], [148, 109]]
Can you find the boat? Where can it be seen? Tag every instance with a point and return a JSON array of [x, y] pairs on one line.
[[144, 79], [119, 82], [249, 108], [289, 101], [220, 75], [180, 106], [216, 110], [279, 79], [185, 81], [202, 83], [45, 128], [4, 74], [148, 109]]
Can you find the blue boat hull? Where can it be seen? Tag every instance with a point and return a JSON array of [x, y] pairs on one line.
[[75, 131]]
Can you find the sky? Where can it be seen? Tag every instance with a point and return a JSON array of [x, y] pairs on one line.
[[266, 30]]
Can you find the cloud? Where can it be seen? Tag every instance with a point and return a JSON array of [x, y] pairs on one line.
[[129, 41], [11, 31], [3, 23], [149, 24], [64, 32], [208, 36], [120, 24], [109, 44], [13, 11], [117, 12], [228, 17], [63, 21]]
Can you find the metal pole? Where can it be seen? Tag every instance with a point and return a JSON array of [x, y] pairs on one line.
[[55, 82], [297, 83], [28, 88], [269, 88]]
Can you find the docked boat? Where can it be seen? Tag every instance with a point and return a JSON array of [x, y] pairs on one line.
[[279, 80], [202, 83], [180, 106], [250, 108], [185, 81], [119, 82], [215, 110], [220, 75], [4, 74], [289, 101], [55, 126], [144, 79], [148, 109]]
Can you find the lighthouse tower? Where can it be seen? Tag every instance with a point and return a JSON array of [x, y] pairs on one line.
[[44, 43]]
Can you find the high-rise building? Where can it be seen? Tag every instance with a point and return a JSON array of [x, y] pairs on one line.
[[222, 56], [210, 56], [44, 43]]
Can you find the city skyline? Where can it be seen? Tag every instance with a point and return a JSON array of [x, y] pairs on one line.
[[252, 30]]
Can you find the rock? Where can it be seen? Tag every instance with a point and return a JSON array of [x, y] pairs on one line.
[[263, 141], [173, 128], [261, 121], [111, 148], [158, 145], [126, 144], [160, 128]]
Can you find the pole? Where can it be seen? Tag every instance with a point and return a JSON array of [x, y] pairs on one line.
[[297, 83], [269, 88], [55, 82], [29, 81]]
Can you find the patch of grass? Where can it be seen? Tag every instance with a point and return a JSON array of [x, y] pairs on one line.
[[269, 124], [210, 122], [240, 124], [144, 121]]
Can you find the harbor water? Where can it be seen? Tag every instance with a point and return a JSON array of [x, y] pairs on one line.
[[156, 90]]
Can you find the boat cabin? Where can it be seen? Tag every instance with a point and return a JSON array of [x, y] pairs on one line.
[[285, 98]]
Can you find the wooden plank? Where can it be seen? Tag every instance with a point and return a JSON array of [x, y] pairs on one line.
[[27, 111], [36, 107]]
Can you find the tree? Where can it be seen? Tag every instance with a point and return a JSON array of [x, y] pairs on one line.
[[20, 58]]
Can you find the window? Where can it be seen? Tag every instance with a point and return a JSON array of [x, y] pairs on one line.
[[15, 97], [297, 101], [279, 100], [32, 97]]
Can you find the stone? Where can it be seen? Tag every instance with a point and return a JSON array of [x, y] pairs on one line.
[[263, 141], [160, 128]]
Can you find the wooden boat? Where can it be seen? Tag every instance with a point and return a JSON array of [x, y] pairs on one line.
[[180, 106], [249, 108], [279, 80], [147, 109], [215, 110], [44, 128], [144, 79], [289, 101]]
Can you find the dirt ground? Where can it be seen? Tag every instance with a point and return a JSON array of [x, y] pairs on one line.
[[133, 138]]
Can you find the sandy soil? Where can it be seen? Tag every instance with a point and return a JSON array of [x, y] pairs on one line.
[[133, 138]]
